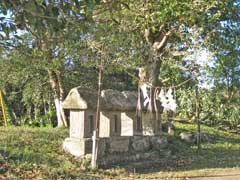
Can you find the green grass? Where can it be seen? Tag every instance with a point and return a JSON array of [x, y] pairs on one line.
[[36, 153], [222, 150], [31, 153]]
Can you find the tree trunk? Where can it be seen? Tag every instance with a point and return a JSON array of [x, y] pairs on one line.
[[60, 121], [44, 105], [58, 94], [198, 117], [153, 71], [157, 42], [61, 94]]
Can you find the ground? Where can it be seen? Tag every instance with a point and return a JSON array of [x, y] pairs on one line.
[[36, 153]]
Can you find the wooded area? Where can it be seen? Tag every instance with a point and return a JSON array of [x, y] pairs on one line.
[[134, 78], [48, 47]]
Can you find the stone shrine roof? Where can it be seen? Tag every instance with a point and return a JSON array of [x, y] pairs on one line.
[[112, 100]]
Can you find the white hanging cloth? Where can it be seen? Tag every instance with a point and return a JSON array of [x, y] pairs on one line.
[[146, 98], [168, 101]]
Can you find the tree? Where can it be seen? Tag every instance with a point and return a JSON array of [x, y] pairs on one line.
[[146, 33], [224, 45], [148, 26], [149, 33], [49, 23]]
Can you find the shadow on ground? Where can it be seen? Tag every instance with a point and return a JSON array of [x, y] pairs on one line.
[[220, 152]]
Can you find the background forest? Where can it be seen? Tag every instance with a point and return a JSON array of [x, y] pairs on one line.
[[48, 47]]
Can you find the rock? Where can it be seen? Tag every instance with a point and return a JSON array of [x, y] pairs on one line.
[[165, 153], [138, 156], [169, 128], [188, 137], [77, 146], [191, 137], [158, 142], [119, 144], [140, 143], [150, 155], [102, 147]]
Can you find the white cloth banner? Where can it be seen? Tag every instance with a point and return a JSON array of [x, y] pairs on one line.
[[168, 101], [146, 98]]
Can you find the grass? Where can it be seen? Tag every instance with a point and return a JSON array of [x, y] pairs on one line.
[[222, 151], [36, 153]]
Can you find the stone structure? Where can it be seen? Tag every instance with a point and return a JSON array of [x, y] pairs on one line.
[[120, 131], [130, 148]]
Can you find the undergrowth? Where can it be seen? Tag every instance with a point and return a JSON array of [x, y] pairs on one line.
[[36, 153]]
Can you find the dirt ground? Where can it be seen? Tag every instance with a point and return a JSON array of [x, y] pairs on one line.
[[203, 174], [219, 174]]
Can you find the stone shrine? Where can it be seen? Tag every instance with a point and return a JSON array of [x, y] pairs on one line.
[[120, 130]]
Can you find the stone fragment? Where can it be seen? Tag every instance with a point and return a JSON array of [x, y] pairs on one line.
[[140, 143], [77, 147], [158, 142], [118, 144], [188, 137]]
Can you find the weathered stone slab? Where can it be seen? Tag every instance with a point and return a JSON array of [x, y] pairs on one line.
[[118, 144], [127, 123], [165, 153], [125, 157], [140, 143], [102, 147], [77, 147], [76, 124], [158, 142]]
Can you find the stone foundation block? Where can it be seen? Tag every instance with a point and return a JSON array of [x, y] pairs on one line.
[[140, 143], [118, 144], [77, 147], [158, 142]]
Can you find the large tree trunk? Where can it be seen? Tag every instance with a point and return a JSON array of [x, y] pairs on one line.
[[60, 122], [58, 94], [153, 71], [157, 42]]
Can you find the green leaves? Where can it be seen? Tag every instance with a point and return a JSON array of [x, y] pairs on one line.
[[215, 110], [55, 11], [127, 31]]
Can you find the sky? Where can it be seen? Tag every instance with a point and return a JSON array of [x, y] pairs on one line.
[[204, 59]]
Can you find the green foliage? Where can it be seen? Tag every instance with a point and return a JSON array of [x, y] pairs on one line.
[[215, 109], [45, 120], [186, 103], [70, 37]]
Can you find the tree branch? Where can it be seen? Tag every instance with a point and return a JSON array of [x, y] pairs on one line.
[[157, 46]]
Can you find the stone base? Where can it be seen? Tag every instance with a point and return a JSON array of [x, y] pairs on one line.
[[77, 147], [158, 142], [140, 143], [118, 149], [116, 158], [118, 144]]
